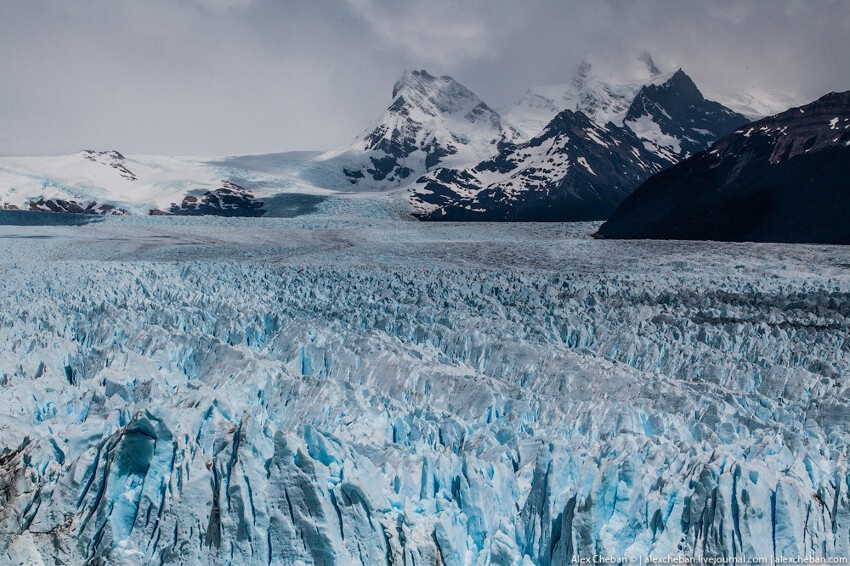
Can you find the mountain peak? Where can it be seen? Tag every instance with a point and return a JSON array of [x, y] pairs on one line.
[[111, 158], [416, 80], [582, 74], [681, 81], [432, 95]]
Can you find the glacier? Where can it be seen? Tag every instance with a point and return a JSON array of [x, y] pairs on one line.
[[346, 388]]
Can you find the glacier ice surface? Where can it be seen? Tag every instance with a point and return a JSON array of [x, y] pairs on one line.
[[357, 390]]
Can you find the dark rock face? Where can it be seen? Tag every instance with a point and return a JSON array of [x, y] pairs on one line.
[[574, 170], [229, 200], [785, 178], [681, 112], [577, 169], [74, 207]]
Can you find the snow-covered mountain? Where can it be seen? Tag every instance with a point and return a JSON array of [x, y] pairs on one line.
[[437, 139], [432, 120], [587, 159], [785, 178], [101, 182]]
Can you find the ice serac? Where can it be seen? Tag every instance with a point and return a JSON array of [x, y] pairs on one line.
[[781, 179], [431, 120], [574, 170], [675, 120], [365, 395]]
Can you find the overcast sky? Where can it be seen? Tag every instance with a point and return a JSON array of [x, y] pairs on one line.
[[223, 77]]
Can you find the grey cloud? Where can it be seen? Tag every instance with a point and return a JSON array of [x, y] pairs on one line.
[[222, 5], [234, 76]]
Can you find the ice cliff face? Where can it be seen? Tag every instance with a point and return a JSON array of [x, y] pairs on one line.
[[339, 394]]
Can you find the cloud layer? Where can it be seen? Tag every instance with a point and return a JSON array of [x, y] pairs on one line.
[[239, 76]]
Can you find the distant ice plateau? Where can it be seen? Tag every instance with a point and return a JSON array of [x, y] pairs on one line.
[[345, 388]]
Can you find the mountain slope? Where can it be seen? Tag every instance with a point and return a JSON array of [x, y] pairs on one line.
[[90, 179], [574, 170], [431, 120], [753, 103], [785, 178]]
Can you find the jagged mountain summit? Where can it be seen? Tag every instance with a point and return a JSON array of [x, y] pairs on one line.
[[676, 119], [432, 120], [579, 168], [666, 110], [785, 178]]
